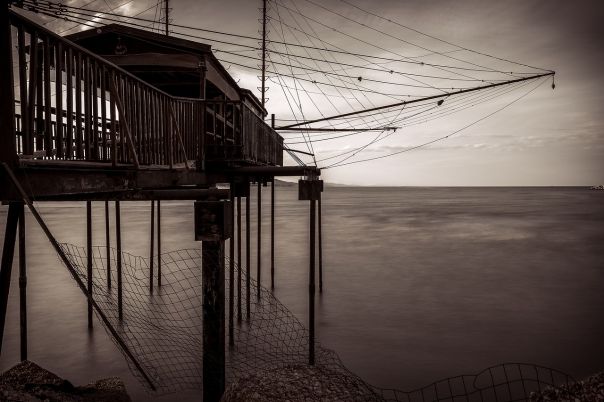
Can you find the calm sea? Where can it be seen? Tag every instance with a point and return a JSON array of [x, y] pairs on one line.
[[420, 283]]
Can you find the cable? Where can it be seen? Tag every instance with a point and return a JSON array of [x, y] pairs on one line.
[[440, 138]]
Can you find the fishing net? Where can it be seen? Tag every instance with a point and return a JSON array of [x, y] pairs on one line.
[[268, 357]]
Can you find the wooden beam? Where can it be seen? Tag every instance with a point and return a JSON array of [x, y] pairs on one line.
[[6, 265]]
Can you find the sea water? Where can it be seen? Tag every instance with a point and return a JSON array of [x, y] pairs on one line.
[[419, 283]]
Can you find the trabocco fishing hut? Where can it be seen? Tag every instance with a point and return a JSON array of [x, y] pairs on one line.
[[117, 114]]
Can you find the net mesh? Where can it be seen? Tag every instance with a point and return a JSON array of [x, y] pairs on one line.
[[269, 355]]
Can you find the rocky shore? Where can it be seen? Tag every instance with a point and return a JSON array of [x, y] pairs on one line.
[[29, 382], [589, 390]]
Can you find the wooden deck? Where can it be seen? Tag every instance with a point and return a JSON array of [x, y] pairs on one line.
[[80, 123]]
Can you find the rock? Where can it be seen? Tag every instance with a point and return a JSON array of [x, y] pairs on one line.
[[588, 390], [29, 382], [300, 383]]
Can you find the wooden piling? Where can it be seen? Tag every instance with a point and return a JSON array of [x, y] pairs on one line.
[[118, 245], [311, 287], [273, 230], [108, 244], [232, 277], [6, 265], [320, 230], [213, 225], [151, 246], [213, 320], [239, 259], [89, 259], [259, 245], [247, 256], [158, 243], [22, 285]]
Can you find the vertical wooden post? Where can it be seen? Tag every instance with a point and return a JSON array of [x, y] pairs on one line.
[[311, 288], [89, 258], [320, 229], [259, 245], [118, 245], [151, 246], [158, 243], [310, 189], [6, 266], [247, 255], [239, 259], [273, 230], [212, 226], [232, 275], [8, 152], [108, 244], [22, 284]]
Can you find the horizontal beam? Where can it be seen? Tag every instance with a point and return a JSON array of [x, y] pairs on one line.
[[196, 194], [272, 171]]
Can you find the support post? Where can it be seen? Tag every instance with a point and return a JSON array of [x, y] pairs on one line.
[[231, 276], [239, 188], [259, 245], [320, 229], [273, 231], [151, 246], [247, 256], [311, 288], [311, 190], [212, 226], [159, 243], [89, 259], [239, 259], [118, 245], [22, 285], [108, 244], [6, 267]]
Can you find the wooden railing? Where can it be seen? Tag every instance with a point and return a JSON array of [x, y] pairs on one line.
[[71, 104]]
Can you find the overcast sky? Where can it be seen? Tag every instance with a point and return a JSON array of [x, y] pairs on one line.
[[550, 137]]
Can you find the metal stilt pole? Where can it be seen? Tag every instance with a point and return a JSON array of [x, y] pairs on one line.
[[232, 277], [239, 259], [108, 244], [247, 256], [311, 287], [118, 244], [158, 243], [151, 246], [22, 285], [273, 233], [89, 259], [320, 229], [259, 245]]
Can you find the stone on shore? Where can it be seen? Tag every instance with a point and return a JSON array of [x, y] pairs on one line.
[[300, 383], [29, 382]]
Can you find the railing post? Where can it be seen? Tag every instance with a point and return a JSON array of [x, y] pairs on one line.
[[8, 151], [213, 222]]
